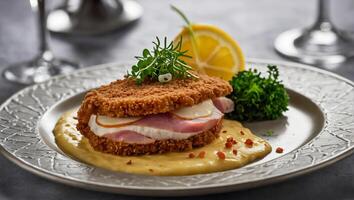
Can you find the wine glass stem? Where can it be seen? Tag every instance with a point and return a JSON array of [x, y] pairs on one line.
[[323, 10], [43, 33], [323, 17]]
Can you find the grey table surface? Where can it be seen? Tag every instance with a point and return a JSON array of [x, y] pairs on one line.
[[253, 23]]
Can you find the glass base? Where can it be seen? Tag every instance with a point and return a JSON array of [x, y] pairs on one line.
[[93, 17], [37, 70], [316, 47]]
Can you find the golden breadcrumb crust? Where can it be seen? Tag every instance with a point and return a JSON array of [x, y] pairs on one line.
[[126, 98], [106, 145]]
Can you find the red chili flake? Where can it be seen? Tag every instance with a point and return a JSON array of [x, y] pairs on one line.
[[234, 152], [129, 162], [228, 145], [242, 133], [234, 142], [191, 155], [249, 142], [279, 150], [221, 155], [201, 154], [224, 131], [229, 139]]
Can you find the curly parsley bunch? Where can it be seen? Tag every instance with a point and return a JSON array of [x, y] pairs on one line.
[[256, 97]]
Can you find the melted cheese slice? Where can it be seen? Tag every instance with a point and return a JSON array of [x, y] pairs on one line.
[[115, 121], [170, 164], [203, 109]]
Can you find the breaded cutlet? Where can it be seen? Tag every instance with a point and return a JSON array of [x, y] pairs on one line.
[[123, 98], [107, 145]]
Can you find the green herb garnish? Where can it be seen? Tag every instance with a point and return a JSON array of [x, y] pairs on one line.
[[161, 64], [256, 97]]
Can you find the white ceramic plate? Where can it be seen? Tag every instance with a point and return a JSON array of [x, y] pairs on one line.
[[315, 132]]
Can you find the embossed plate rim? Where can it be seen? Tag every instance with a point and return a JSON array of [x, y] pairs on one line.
[[176, 190]]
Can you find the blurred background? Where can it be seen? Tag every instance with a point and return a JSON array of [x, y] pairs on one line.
[[255, 24]]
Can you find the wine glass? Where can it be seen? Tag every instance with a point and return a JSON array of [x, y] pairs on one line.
[[84, 17], [45, 65], [321, 45]]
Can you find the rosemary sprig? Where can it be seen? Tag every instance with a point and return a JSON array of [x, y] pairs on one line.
[[161, 64]]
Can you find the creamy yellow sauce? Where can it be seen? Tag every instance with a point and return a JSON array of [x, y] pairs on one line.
[[74, 144]]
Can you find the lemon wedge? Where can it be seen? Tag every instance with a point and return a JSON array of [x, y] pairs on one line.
[[212, 51]]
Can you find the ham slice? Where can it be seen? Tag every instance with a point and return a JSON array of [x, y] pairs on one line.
[[225, 105], [130, 137], [170, 122], [163, 126]]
